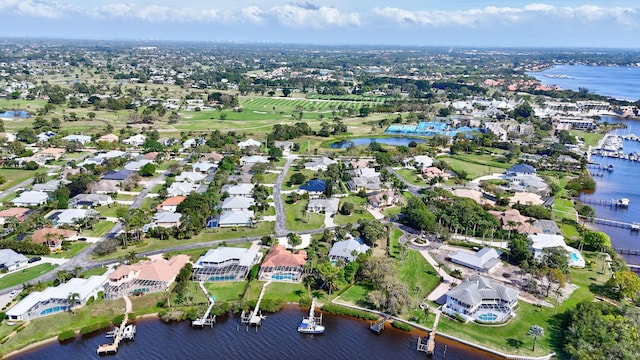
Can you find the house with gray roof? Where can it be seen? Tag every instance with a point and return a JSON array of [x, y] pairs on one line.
[[90, 200], [11, 260], [323, 205], [347, 250], [190, 176], [236, 218], [82, 139], [225, 264], [243, 189], [50, 186], [137, 165], [167, 219], [204, 167], [236, 203], [30, 198], [480, 299], [71, 216], [181, 189], [254, 159], [319, 164], [484, 260]]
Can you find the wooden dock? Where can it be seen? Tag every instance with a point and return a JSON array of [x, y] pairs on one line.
[[123, 332], [378, 326], [626, 251], [429, 345], [621, 203], [634, 226], [255, 317], [206, 319]]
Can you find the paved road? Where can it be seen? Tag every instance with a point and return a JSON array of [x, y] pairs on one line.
[[281, 219], [415, 190]]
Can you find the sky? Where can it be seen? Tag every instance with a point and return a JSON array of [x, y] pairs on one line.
[[478, 23]]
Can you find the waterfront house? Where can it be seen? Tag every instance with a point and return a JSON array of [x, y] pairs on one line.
[[481, 299], [283, 265], [484, 260], [319, 164], [323, 205], [30, 199], [53, 237], [90, 200], [225, 264], [243, 218], [11, 260], [75, 292], [347, 250], [540, 242], [171, 204], [19, 214], [144, 277]]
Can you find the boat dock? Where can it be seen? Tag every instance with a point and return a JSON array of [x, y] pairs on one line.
[[621, 203], [206, 319], [625, 251], [123, 332], [378, 326], [430, 345], [255, 317], [634, 226]]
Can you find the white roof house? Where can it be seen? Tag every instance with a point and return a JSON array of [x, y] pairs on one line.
[[539, 242], [181, 188], [70, 216], [166, 219], [481, 299], [56, 299], [422, 161], [236, 218], [346, 249], [484, 260], [236, 203], [82, 139], [248, 143], [327, 205], [254, 159], [190, 176], [203, 166], [31, 198], [137, 165], [11, 260], [243, 189], [225, 264], [319, 164], [135, 140], [50, 186], [90, 200]]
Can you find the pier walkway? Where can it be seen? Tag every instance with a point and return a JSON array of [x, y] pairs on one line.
[[205, 320], [430, 346], [634, 226], [119, 333], [255, 317]]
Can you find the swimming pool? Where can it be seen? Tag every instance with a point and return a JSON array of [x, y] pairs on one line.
[[488, 317], [574, 257], [282, 277]]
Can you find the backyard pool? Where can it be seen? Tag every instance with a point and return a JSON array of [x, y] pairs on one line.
[[488, 317]]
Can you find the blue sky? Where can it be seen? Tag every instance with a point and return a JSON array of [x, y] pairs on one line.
[[508, 23]]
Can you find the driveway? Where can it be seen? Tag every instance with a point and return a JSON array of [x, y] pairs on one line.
[[306, 241], [280, 228]]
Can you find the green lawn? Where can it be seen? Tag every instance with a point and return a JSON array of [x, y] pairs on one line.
[[95, 271], [110, 211], [416, 272], [473, 169], [15, 176], [563, 208], [288, 292], [357, 295], [590, 139], [24, 275], [411, 176], [99, 230], [298, 219], [73, 250], [226, 291], [310, 174], [357, 214], [125, 197], [569, 231], [269, 178]]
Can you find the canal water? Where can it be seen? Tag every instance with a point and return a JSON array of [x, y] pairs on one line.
[[277, 339]]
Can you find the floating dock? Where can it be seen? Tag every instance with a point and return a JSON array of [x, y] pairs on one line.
[[124, 332]]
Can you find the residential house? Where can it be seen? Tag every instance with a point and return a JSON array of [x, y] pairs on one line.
[[521, 169], [254, 159], [192, 143], [548, 226], [57, 299], [481, 299], [53, 237], [44, 136], [383, 198], [105, 186], [49, 154], [528, 183], [109, 138], [249, 143], [50, 186], [421, 161], [30, 199], [166, 219], [204, 167], [225, 264], [181, 189], [283, 265], [285, 146], [72, 216], [511, 219], [484, 260], [236, 203], [433, 172], [366, 179], [475, 195], [11, 260], [190, 176], [243, 218], [144, 277], [15, 212], [329, 206], [135, 140], [212, 157], [319, 164], [90, 200], [82, 139], [540, 242], [314, 188], [171, 204], [118, 175], [243, 189], [137, 165], [347, 250]]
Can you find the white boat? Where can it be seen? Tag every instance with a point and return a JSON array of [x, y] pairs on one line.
[[624, 202], [311, 324]]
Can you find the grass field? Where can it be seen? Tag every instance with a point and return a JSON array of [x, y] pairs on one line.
[[96, 271], [563, 208], [289, 292], [24, 275], [590, 139], [474, 168], [357, 214], [310, 174], [15, 176], [299, 219], [411, 176], [99, 230], [226, 291], [356, 294], [418, 274]]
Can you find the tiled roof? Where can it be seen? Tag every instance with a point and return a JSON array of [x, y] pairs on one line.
[[280, 256]]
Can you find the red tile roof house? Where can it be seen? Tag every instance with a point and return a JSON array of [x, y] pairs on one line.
[[283, 265], [171, 204], [144, 277], [52, 237], [16, 212]]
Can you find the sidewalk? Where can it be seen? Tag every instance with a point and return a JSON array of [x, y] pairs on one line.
[[445, 285]]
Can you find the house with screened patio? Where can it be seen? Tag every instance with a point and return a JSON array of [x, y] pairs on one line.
[[482, 300], [145, 277], [225, 264], [283, 265]]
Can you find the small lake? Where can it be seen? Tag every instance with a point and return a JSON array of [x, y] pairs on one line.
[[396, 141], [20, 114]]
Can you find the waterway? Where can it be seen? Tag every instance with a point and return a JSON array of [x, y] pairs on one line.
[[395, 141], [621, 183], [276, 339], [618, 82]]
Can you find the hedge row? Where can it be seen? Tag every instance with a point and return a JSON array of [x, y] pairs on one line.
[[66, 335], [401, 325], [94, 327], [341, 310]]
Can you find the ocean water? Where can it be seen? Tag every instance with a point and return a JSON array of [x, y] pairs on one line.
[[618, 82], [276, 339]]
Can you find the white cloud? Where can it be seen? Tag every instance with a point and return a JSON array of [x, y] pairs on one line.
[[313, 16]]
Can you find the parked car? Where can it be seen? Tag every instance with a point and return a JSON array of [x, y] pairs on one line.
[[34, 259], [13, 293], [82, 239]]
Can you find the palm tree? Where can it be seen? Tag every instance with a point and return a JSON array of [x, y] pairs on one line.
[[535, 331], [72, 299]]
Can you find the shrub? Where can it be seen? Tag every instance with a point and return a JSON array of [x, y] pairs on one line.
[[220, 308], [304, 301], [117, 320], [341, 310], [94, 327], [400, 325], [132, 316], [66, 335]]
